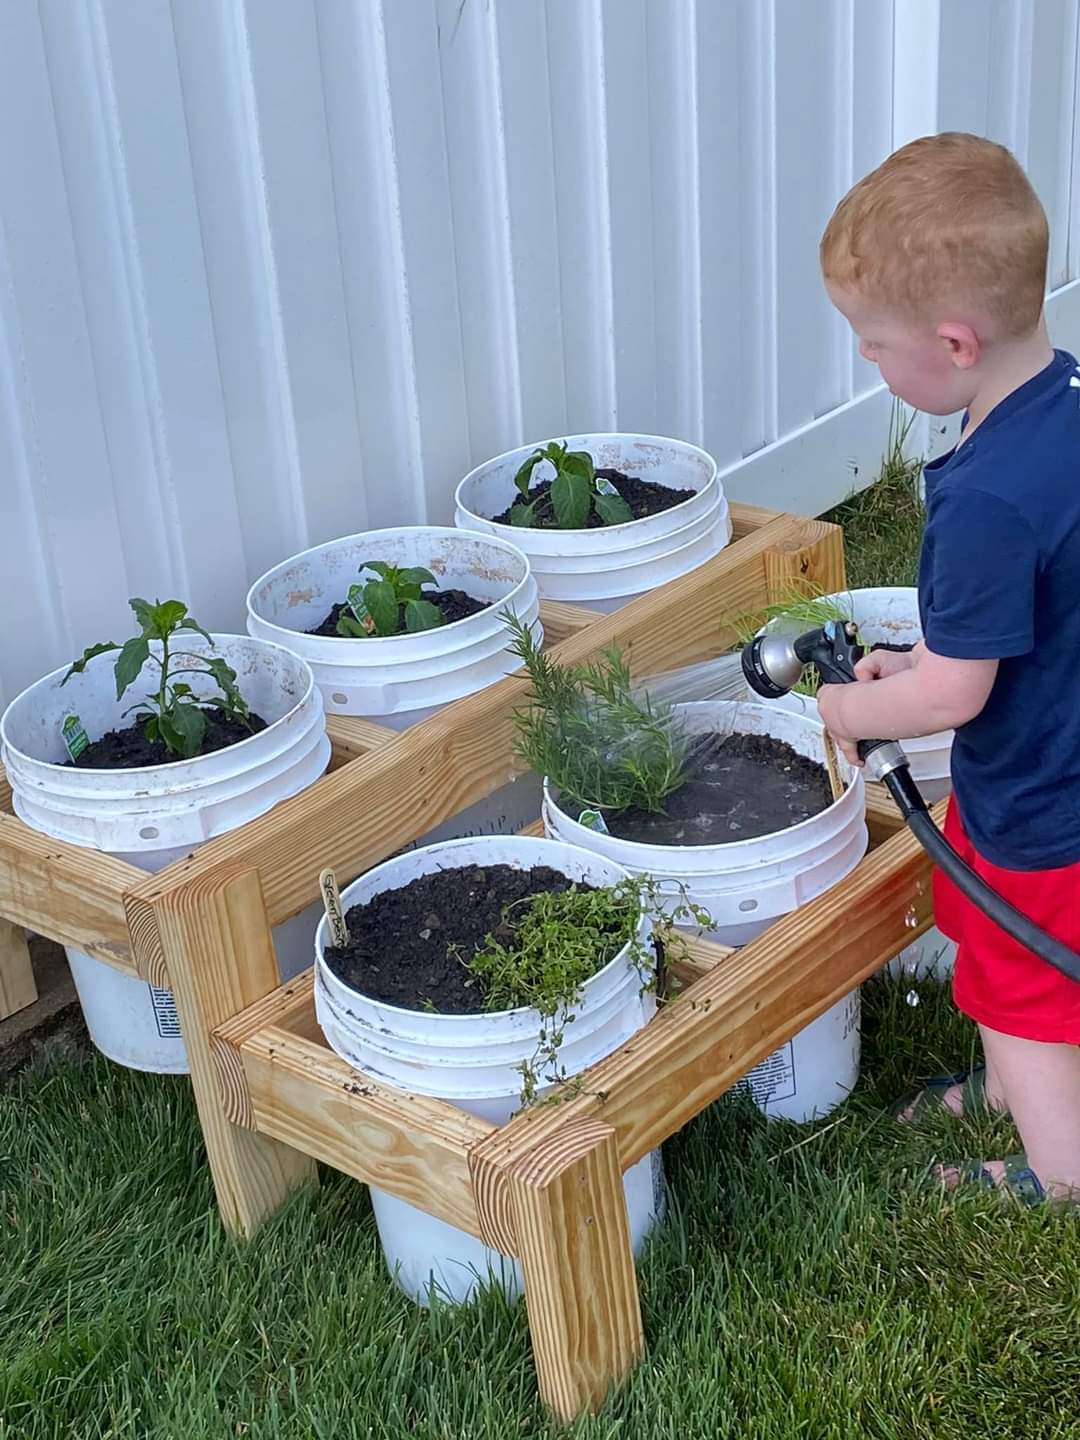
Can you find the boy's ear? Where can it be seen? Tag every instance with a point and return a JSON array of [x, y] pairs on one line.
[[961, 342]]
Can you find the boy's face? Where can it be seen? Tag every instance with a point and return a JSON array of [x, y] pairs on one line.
[[916, 363]]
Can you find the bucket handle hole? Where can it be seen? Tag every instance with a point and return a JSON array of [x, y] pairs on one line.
[[747, 904], [148, 832], [339, 699]]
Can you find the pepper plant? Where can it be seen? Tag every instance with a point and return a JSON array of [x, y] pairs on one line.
[[576, 491], [381, 605], [172, 713]]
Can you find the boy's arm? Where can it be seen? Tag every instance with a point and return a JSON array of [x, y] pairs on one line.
[[934, 693]]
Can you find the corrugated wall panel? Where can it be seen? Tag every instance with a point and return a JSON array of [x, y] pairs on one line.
[[275, 272]]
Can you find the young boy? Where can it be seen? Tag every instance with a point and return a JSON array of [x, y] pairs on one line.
[[938, 261]]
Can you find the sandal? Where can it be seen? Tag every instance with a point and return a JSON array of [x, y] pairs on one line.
[[1019, 1180], [932, 1096]]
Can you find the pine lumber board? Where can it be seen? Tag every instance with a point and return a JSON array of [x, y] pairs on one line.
[[745, 519], [352, 736], [580, 1284], [301, 1094], [69, 893], [561, 620], [18, 988]]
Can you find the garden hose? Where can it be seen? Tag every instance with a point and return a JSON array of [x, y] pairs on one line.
[[773, 664]]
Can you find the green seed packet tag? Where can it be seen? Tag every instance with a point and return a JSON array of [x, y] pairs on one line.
[[604, 486], [75, 737], [593, 820], [356, 604]]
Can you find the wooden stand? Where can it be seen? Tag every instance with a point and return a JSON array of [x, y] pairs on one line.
[[273, 1099]]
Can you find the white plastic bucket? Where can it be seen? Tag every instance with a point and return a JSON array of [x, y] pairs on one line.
[[398, 679], [888, 614], [747, 884], [608, 566], [153, 816], [472, 1060]]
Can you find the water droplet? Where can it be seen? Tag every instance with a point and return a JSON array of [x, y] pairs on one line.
[[911, 920], [912, 998]]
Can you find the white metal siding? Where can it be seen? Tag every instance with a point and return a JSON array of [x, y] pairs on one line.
[[277, 270]]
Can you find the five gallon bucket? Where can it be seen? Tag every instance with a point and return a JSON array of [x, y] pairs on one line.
[[747, 884], [400, 680], [155, 815], [472, 1060], [605, 567]]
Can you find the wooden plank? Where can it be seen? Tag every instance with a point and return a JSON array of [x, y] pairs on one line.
[[352, 736], [7, 804], [69, 893], [580, 1283], [883, 819], [370, 808], [561, 620], [739, 1012], [695, 957], [290, 1007], [304, 1095], [745, 519], [795, 567], [18, 988], [219, 957]]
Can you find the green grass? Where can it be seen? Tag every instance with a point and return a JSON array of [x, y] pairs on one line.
[[807, 1283], [883, 524]]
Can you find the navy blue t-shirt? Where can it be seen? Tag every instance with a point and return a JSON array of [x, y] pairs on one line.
[[999, 579]]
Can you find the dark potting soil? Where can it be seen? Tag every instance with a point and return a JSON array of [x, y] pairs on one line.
[[454, 604], [408, 946], [644, 497], [129, 749], [737, 787]]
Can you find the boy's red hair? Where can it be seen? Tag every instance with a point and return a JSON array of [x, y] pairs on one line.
[[948, 219]]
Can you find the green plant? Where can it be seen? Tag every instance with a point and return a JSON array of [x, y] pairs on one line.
[[172, 713], [602, 745], [576, 491], [381, 605], [550, 944], [802, 608]]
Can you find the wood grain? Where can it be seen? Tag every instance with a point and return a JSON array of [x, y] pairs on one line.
[[219, 959], [561, 620], [414, 1147], [69, 893], [18, 989], [352, 736], [883, 819], [580, 1283], [745, 519]]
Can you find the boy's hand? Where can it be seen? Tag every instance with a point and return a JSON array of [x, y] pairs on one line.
[[830, 699], [880, 664]]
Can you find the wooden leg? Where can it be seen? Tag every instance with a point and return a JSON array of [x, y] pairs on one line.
[[573, 1238], [216, 946], [17, 987]]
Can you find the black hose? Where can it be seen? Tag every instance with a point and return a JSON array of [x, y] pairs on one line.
[[1005, 916]]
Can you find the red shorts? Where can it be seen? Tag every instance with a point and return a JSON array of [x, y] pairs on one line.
[[997, 981]]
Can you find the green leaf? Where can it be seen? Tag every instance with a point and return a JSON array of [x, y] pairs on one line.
[[612, 509], [571, 496], [144, 614], [152, 729], [189, 624], [422, 615], [380, 567], [417, 575], [382, 603], [133, 656], [180, 689], [579, 462], [78, 666], [350, 627], [183, 728], [225, 676], [522, 514], [523, 478], [166, 616]]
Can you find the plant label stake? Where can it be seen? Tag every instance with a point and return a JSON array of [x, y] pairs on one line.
[[358, 608], [593, 820], [833, 767], [331, 897], [75, 737]]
